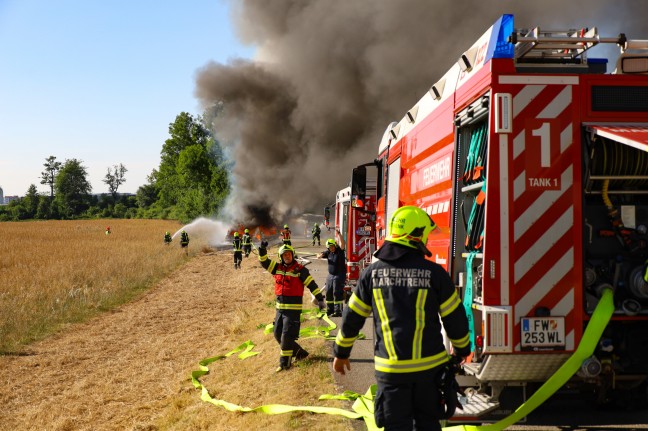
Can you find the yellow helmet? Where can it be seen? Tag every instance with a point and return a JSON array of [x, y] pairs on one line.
[[247, 230], [284, 248], [410, 226], [285, 226], [235, 234], [330, 242]]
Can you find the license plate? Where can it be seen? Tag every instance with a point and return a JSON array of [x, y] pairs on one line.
[[543, 333]]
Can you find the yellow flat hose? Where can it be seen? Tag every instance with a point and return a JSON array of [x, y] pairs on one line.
[[363, 406], [591, 337]]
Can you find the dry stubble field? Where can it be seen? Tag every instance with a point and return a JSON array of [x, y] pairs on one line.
[[130, 368]]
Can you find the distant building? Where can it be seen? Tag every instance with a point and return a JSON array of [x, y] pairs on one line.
[[8, 199], [1, 196]]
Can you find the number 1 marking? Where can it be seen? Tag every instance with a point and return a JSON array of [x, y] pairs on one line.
[[545, 150]]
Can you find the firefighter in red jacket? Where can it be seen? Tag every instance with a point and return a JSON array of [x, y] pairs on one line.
[[285, 235], [410, 297], [290, 279]]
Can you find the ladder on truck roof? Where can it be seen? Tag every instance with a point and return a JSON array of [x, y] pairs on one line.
[[558, 45]]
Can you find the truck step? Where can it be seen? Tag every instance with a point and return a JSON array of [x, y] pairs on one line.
[[472, 368], [474, 405]]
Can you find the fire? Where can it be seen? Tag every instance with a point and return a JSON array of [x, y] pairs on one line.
[[258, 232]]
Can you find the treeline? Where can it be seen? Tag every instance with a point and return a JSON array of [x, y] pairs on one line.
[[191, 181]]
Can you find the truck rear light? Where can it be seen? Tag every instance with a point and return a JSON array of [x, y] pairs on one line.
[[479, 341]]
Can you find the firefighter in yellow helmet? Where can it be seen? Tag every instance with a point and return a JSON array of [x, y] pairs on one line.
[[184, 239], [285, 235], [167, 238], [237, 244], [247, 242], [336, 278], [316, 233], [290, 279], [410, 297]]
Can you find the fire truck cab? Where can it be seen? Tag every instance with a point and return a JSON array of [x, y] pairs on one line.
[[533, 162]]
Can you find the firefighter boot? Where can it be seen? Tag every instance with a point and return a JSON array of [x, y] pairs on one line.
[[284, 363], [337, 310], [299, 353], [330, 311]]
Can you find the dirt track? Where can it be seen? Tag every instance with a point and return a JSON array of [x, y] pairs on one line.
[[121, 370], [116, 370]]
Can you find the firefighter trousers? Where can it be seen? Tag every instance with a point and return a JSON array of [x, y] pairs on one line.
[[334, 293], [238, 257], [286, 332], [247, 249], [410, 401]]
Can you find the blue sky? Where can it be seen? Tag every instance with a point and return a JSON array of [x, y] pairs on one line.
[[100, 81]]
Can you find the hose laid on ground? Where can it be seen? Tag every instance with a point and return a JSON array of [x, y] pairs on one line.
[[363, 405]]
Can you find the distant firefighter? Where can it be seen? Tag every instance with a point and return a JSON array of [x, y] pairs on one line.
[[316, 233], [247, 242], [237, 244], [285, 235], [167, 238], [327, 216], [107, 230], [184, 240]]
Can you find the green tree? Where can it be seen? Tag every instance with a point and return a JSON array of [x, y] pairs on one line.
[[72, 188], [147, 194], [44, 210], [30, 201], [192, 179], [48, 176], [115, 178]]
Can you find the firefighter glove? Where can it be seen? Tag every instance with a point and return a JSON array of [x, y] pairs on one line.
[[321, 305]]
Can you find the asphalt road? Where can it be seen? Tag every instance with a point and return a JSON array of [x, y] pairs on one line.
[[562, 412]]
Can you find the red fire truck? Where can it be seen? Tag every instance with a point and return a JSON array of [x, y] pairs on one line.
[[532, 160], [358, 229]]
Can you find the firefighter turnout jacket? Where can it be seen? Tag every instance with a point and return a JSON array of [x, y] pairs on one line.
[[406, 294], [336, 261], [290, 281], [285, 235]]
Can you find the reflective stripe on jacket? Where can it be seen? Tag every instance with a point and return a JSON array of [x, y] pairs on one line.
[[290, 281], [407, 296]]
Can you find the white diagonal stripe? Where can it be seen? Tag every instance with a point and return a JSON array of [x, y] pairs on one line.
[[518, 144], [519, 185], [560, 102], [566, 138], [524, 97], [543, 245], [541, 205], [545, 284], [565, 305]]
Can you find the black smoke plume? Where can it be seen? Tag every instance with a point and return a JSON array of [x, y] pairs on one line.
[[330, 75]]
